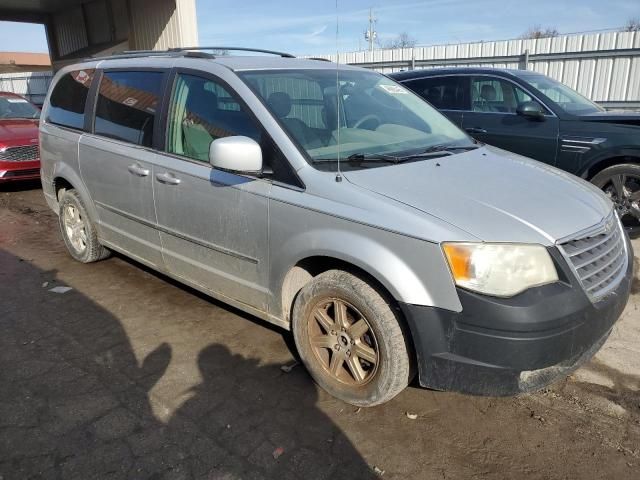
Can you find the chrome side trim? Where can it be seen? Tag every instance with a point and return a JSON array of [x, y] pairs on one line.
[[586, 141], [579, 144]]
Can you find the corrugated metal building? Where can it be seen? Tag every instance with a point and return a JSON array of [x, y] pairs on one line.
[[604, 67], [81, 28]]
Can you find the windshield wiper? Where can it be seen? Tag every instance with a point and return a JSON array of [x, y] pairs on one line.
[[437, 150], [433, 151], [362, 157], [445, 147]]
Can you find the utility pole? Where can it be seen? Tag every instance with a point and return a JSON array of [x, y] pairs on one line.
[[370, 34]]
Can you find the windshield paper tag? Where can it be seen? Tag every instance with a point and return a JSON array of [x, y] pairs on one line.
[[394, 89], [16, 100]]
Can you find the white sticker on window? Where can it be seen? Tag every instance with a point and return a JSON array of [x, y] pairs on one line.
[[130, 101], [395, 89], [82, 76], [16, 100]]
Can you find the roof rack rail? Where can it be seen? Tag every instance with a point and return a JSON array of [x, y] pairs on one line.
[[183, 51], [134, 54], [235, 49], [319, 59]]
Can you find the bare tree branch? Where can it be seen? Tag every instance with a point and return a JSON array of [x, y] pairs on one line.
[[404, 40], [632, 25], [537, 31]]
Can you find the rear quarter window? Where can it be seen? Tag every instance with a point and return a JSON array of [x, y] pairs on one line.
[[68, 99]]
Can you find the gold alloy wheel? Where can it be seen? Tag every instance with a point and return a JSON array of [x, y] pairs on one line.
[[343, 342]]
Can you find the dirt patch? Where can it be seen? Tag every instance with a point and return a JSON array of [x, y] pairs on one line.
[[129, 375]]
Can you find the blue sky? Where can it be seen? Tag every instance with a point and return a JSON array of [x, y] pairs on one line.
[[308, 27]]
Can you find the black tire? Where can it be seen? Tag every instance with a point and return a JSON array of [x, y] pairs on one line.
[[627, 201], [93, 250], [391, 371]]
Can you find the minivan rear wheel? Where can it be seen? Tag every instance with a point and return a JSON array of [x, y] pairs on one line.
[[78, 231], [621, 183], [350, 339]]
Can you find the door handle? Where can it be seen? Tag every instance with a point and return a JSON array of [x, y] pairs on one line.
[[475, 130], [136, 169], [167, 178]]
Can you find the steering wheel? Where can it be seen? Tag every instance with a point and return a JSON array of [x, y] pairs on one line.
[[367, 118]]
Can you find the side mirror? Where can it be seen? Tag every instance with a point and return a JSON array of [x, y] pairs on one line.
[[532, 110], [236, 154]]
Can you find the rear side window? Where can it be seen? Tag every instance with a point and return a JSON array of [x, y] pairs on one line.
[[68, 99], [446, 93], [127, 106]]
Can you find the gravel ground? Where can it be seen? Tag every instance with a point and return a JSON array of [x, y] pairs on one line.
[[131, 375]]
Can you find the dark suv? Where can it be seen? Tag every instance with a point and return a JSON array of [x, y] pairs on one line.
[[533, 115]]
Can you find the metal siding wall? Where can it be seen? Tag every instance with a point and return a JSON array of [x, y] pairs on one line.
[[633, 92], [162, 24], [187, 19], [121, 19], [32, 85], [609, 78], [70, 31]]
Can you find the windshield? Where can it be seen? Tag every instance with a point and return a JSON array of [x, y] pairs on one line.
[[16, 107], [566, 98], [378, 118]]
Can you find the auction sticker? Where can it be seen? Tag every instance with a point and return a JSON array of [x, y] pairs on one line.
[[394, 89]]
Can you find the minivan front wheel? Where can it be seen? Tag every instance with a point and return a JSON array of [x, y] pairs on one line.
[[78, 232], [350, 339], [621, 183]]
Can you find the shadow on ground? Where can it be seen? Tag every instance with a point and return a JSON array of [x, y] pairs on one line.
[[77, 403], [20, 186], [622, 389]]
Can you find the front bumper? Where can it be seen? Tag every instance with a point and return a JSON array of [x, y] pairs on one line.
[[24, 170], [498, 346]]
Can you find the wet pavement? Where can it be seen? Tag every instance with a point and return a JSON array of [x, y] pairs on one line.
[[131, 375]]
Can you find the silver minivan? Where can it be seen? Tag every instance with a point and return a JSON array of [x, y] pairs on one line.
[[334, 202]]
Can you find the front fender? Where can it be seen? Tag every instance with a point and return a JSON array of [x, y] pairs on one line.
[[413, 271], [607, 154]]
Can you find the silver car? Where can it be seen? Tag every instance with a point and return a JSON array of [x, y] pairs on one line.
[[334, 202]]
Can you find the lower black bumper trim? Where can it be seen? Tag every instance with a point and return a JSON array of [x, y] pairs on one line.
[[507, 346]]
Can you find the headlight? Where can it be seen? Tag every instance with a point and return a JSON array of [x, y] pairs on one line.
[[499, 269]]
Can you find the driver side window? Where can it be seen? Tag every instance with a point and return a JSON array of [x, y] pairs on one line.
[[490, 94], [200, 112]]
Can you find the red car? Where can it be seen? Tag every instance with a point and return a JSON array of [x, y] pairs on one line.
[[19, 152]]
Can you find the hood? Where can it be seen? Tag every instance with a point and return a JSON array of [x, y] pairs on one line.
[[18, 130], [492, 194], [625, 118]]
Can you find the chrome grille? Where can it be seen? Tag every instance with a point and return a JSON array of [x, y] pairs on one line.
[[23, 153], [598, 257]]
